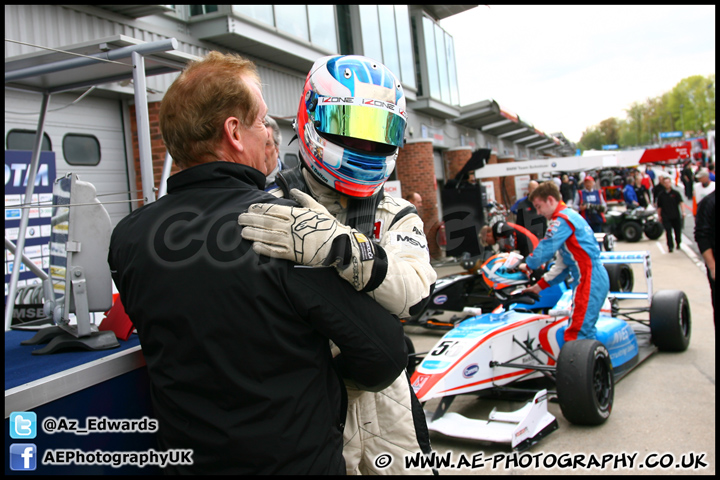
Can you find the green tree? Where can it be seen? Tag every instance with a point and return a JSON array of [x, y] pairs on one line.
[[592, 139], [689, 106], [610, 132]]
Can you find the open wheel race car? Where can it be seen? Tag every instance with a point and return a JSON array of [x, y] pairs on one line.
[[462, 295], [517, 350]]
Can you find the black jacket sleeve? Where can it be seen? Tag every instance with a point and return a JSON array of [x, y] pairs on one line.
[[371, 340], [705, 224]]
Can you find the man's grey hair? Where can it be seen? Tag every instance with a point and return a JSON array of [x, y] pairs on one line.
[[277, 136]]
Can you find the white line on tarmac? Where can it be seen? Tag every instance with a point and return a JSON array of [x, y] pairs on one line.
[[689, 252], [661, 248]]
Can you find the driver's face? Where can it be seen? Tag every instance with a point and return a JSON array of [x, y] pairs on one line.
[[544, 207], [489, 238]]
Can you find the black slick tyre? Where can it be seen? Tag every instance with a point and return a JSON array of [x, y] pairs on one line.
[[653, 230], [622, 278], [631, 231], [670, 320], [585, 383]]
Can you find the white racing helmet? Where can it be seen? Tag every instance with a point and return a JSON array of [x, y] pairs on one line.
[[351, 123], [498, 272]]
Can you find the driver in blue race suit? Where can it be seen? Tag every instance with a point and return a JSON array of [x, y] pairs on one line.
[[578, 257]]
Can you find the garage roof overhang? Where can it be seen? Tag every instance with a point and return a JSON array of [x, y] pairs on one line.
[[489, 117], [101, 61]]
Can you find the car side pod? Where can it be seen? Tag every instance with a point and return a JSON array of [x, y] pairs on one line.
[[520, 429]]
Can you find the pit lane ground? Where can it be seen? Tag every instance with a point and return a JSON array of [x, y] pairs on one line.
[[664, 410]]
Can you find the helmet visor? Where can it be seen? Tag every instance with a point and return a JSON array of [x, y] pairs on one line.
[[372, 120]]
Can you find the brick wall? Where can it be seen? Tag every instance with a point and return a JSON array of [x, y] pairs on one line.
[[157, 147], [456, 160], [416, 173], [507, 195]]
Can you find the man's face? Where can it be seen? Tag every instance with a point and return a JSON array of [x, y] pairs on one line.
[[489, 237], [667, 183], [705, 180], [417, 201], [255, 137], [545, 207], [589, 184], [271, 152]]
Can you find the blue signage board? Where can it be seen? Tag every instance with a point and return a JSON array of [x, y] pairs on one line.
[[610, 147], [37, 234], [671, 134]]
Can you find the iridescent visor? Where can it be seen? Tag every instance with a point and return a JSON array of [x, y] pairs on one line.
[[372, 120]]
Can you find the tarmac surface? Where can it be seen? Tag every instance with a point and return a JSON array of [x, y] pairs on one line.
[[663, 417]]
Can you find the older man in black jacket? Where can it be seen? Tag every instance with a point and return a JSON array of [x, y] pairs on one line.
[[237, 346]]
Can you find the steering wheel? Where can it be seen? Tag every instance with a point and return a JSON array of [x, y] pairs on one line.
[[506, 298]]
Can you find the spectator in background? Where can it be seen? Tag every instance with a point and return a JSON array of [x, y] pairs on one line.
[[651, 174], [659, 187], [591, 205], [641, 190], [416, 199], [524, 203], [629, 195], [705, 239], [702, 188], [669, 202], [711, 171], [557, 181], [687, 177], [567, 190]]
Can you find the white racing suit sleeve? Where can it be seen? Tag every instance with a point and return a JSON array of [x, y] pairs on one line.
[[409, 274]]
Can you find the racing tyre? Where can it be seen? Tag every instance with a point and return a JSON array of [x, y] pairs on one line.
[[631, 231], [653, 230], [622, 278], [670, 320], [609, 242], [585, 383]]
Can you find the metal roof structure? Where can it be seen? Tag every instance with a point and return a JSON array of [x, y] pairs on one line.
[[489, 117], [107, 60]]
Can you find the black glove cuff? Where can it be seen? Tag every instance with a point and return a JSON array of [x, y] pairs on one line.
[[379, 270], [340, 252]]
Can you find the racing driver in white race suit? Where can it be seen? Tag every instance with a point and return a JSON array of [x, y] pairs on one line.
[[350, 125]]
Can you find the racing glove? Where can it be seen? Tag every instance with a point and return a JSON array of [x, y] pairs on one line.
[[311, 236]]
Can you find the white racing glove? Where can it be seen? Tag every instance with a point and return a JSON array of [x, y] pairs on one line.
[[309, 235]]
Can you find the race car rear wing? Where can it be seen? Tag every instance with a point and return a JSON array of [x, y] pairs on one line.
[[642, 257]]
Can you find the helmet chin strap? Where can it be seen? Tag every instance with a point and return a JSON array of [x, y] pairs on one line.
[[361, 213]]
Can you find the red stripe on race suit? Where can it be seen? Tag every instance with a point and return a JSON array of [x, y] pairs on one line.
[[582, 292]]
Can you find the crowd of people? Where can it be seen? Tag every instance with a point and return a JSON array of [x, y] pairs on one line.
[[641, 188]]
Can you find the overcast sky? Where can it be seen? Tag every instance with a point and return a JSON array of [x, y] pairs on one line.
[[566, 68]]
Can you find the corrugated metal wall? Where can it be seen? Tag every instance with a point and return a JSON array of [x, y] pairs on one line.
[[56, 26]]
